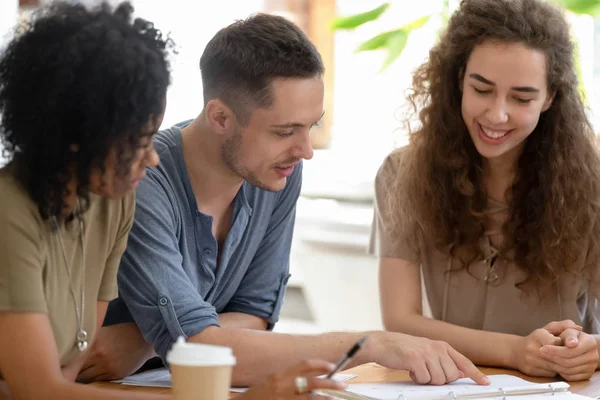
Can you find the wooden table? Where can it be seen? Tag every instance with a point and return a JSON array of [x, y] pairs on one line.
[[375, 373]]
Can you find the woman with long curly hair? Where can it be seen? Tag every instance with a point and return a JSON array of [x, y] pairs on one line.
[[493, 208], [82, 92]]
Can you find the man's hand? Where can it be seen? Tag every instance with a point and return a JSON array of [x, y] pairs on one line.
[[429, 361], [118, 351], [576, 358], [281, 386]]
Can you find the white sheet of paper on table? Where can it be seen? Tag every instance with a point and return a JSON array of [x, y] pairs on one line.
[[160, 377]]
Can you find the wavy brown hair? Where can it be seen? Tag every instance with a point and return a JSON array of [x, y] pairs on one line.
[[553, 202]]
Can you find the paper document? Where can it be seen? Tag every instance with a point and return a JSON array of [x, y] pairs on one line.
[[162, 378], [502, 386]]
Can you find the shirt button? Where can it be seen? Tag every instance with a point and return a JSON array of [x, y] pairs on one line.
[[207, 252], [163, 301]]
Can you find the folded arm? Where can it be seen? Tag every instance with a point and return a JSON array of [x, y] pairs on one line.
[[400, 290], [400, 293]]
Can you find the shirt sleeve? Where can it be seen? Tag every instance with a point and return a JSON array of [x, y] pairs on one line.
[[263, 286], [152, 282], [108, 286], [22, 254], [382, 243]]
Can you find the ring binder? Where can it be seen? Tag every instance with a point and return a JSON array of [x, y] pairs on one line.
[[506, 393], [503, 393]]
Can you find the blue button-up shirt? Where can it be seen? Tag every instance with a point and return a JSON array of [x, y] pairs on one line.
[[170, 282]]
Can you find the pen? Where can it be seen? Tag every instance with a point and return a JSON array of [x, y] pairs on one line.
[[346, 358]]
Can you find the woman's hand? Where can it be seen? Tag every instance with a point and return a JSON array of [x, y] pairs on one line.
[[576, 359], [283, 386], [528, 357]]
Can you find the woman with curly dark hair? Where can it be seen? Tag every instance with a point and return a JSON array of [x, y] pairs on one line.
[[81, 94], [495, 203]]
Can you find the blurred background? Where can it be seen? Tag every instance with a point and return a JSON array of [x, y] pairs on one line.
[[334, 281]]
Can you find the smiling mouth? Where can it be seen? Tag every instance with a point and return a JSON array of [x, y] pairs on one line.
[[494, 134]]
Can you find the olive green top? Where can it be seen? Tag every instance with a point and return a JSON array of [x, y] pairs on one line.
[[33, 274]]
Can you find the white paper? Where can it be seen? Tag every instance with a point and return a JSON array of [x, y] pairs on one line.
[[411, 390], [162, 378], [155, 378]]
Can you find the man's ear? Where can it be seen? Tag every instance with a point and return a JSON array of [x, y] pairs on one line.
[[219, 116], [548, 101]]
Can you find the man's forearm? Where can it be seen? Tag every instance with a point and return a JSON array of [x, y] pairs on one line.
[[261, 353], [71, 371], [236, 320]]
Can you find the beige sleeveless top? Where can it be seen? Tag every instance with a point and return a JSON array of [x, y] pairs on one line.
[[484, 295]]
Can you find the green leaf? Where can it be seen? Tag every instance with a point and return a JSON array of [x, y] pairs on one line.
[[352, 21], [376, 42], [395, 45], [416, 24], [591, 7]]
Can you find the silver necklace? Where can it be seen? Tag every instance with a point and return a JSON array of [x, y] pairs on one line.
[[81, 336]]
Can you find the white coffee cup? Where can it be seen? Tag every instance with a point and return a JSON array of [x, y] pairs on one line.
[[200, 371]]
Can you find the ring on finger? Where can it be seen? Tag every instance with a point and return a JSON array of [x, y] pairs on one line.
[[301, 384]]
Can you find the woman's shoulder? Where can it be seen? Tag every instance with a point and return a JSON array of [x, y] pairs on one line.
[[15, 200], [115, 210], [393, 164]]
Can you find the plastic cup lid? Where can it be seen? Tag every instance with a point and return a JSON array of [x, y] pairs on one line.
[[199, 355]]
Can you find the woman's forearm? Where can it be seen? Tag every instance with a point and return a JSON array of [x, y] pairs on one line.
[[75, 391], [481, 347]]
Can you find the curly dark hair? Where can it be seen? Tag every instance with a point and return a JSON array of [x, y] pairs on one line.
[[76, 84], [240, 61], [554, 200]]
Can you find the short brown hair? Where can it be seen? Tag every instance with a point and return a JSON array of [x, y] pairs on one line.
[[241, 60]]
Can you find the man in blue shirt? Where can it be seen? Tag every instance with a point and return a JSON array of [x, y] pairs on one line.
[[193, 266], [208, 254]]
